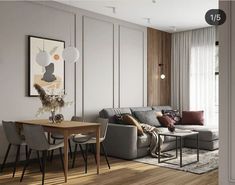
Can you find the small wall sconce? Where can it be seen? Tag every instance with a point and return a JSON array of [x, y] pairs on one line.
[[163, 76]]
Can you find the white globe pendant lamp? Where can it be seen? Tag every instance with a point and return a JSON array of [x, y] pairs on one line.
[[71, 54], [43, 58]]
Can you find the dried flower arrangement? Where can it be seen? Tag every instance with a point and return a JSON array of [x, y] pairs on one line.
[[51, 102]]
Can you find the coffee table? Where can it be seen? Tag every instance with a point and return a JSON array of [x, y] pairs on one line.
[[179, 135]]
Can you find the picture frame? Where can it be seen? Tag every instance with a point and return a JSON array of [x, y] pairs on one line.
[[52, 77]]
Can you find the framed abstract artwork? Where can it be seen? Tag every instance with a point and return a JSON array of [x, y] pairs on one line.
[[52, 76]]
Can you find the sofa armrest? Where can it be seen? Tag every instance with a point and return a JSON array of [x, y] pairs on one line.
[[121, 141]]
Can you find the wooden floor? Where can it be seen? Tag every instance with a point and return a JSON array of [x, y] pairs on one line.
[[121, 173]]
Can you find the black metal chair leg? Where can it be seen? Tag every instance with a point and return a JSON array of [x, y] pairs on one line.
[[105, 154], [44, 159], [86, 157], [16, 160], [39, 161], [61, 158], [52, 152], [26, 152], [5, 158], [26, 165], [94, 152], [74, 155], [83, 155], [70, 149]]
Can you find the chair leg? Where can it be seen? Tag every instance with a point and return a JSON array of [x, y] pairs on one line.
[[5, 158], [86, 157], [16, 160], [61, 158], [26, 165], [52, 152], [70, 149], [105, 154], [94, 152], [83, 155], [26, 152], [44, 159], [39, 161], [74, 155]]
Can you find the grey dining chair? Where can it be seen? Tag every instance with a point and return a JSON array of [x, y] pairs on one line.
[[36, 139], [14, 138], [61, 137], [90, 140]]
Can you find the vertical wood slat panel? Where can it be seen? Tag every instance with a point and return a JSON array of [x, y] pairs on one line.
[[159, 52]]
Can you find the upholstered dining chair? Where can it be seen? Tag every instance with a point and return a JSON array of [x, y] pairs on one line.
[[61, 137], [90, 140], [36, 139], [14, 138]]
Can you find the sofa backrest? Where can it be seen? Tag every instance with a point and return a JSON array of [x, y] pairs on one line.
[[108, 113], [133, 109], [160, 108]]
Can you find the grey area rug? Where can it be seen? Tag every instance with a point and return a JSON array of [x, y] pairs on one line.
[[208, 161]]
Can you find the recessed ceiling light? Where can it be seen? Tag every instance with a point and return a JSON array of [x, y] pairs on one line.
[[154, 1], [147, 19], [173, 28]]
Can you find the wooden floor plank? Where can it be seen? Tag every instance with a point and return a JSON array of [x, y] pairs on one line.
[[121, 173]]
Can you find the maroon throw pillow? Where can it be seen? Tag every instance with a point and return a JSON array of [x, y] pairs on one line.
[[166, 121], [192, 118]]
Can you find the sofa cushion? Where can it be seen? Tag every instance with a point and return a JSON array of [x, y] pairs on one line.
[[192, 118], [147, 117], [143, 141], [205, 133], [109, 113], [166, 121], [174, 114]]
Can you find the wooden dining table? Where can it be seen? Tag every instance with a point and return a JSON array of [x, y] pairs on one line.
[[67, 128]]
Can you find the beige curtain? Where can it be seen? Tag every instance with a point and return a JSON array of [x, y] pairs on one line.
[[180, 59]]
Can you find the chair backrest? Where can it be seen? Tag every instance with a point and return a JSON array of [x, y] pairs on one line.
[[76, 118], [12, 132], [103, 127], [35, 137]]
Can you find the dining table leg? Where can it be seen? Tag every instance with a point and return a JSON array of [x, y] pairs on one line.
[[98, 148], [65, 155]]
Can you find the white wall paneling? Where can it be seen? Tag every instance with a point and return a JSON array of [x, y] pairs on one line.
[[131, 62], [98, 55]]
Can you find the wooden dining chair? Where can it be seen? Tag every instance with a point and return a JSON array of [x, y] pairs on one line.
[[14, 138], [36, 140], [61, 137], [90, 140]]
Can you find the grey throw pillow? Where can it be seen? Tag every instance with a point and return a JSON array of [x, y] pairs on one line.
[[148, 117]]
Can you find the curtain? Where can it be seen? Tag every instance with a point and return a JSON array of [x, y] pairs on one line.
[[181, 44], [193, 72], [202, 74]]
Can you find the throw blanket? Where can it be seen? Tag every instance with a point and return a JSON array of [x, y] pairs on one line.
[[153, 131]]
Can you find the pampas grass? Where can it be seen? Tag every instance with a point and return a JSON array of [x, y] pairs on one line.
[[51, 102]]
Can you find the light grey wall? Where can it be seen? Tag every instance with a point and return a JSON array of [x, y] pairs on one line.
[[104, 56]]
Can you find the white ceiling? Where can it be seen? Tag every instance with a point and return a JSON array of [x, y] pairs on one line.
[[166, 15]]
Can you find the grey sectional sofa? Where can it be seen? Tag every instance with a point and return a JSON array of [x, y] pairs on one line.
[[123, 142]]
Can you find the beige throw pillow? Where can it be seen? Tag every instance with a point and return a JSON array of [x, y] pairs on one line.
[[130, 120]]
